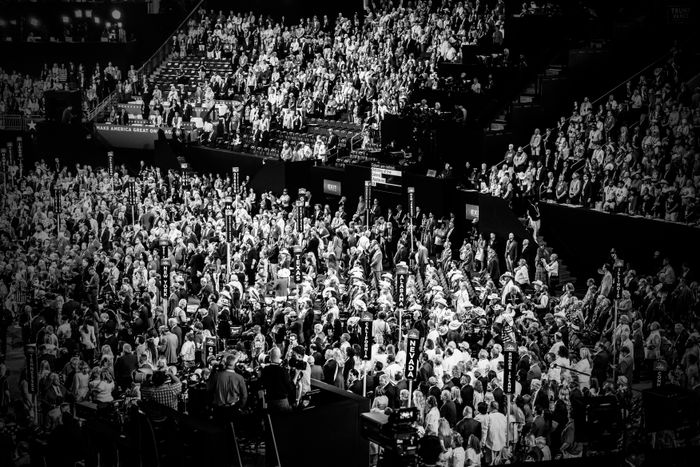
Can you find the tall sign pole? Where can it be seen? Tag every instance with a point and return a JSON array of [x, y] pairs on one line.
[[510, 352], [32, 368], [57, 207], [229, 234], [10, 152], [366, 346], [3, 160], [132, 200], [618, 296], [300, 217], [368, 202], [401, 282], [297, 263], [10, 161], [110, 167], [20, 155], [236, 180], [164, 243], [412, 355], [296, 251], [411, 213]]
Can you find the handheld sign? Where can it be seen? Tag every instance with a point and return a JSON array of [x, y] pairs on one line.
[[297, 264], [660, 368], [210, 345], [368, 196], [32, 365], [236, 179], [20, 154], [411, 201], [510, 351], [300, 216], [366, 336], [166, 280], [401, 281], [110, 160], [229, 223], [412, 354], [57, 198], [165, 267], [618, 283]]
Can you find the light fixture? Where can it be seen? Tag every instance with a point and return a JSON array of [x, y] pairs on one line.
[[97, 20], [78, 13], [108, 24], [88, 13], [65, 19], [116, 14], [119, 24], [33, 21], [3, 23]]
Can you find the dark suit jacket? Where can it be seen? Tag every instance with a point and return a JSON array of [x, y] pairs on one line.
[[467, 392], [541, 399], [356, 387], [435, 392], [449, 412], [392, 393], [468, 426]]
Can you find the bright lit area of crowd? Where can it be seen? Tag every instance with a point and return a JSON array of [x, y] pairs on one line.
[[368, 233]]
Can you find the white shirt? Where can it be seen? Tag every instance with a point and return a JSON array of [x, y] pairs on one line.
[[494, 431]]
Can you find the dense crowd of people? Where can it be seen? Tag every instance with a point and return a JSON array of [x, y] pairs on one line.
[[350, 69], [23, 93], [635, 152], [85, 284]]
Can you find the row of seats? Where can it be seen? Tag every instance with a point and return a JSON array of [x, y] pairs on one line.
[[335, 124]]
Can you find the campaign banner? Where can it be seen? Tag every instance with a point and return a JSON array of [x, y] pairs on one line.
[[129, 136]]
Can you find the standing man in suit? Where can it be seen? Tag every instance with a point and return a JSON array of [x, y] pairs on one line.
[[377, 260], [389, 389], [511, 253], [527, 252]]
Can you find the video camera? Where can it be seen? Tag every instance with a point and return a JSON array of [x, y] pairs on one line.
[[393, 432]]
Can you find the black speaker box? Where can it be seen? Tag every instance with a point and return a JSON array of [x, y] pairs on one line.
[[669, 407], [596, 419]]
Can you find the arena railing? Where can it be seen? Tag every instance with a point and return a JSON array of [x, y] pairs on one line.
[[159, 56], [17, 122]]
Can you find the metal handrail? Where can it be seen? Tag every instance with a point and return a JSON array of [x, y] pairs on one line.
[[166, 43], [148, 66]]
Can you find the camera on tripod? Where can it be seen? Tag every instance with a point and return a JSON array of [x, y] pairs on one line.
[[394, 432]]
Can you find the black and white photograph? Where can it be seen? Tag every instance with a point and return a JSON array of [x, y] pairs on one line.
[[349, 233]]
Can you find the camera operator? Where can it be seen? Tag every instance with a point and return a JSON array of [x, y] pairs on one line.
[[277, 383], [164, 388], [229, 389]]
